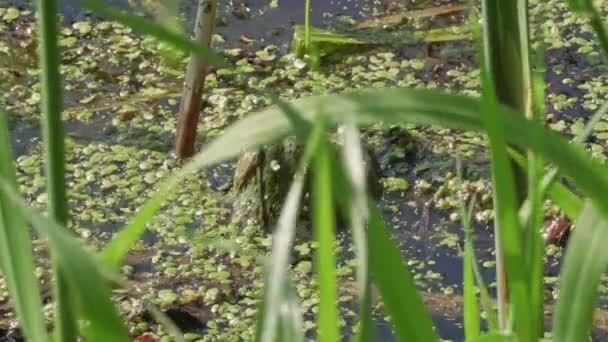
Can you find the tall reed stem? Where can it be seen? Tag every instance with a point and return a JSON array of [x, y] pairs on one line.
[[53, 135], [506, 57], [307, 26], [194, 85]]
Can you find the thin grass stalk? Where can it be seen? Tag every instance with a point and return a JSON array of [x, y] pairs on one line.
[[307, 26], [472, 323], [16, 257], [277, 275], [534, 246], [353, 160], [323, 218], [53, 135], [506, 216], [506, 57]]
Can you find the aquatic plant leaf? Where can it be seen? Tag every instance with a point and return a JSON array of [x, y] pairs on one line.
[[408, 315], [16, 257], [585, 261], [144, 26], [87, 287]]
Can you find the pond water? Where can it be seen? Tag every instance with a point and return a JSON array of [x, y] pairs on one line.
[[119, 143]]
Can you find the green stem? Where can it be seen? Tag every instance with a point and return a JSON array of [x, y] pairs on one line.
[[307, 25], [506, 57], [53, 135]]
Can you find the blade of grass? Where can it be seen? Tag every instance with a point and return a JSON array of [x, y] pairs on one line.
[[86, 285], [291, 327], [354, 165], [569, 202], [16, 258], [307, 26], [146, 27], [408, 314], [506, 224], [585, 261], [66, 325], [281, 244], [324, 227], [471, 310], [533, 241], [472, 325]]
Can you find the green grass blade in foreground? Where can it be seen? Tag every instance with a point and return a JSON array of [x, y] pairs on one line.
[[291, 326], [144, 26], [353, 160], [324, 229], [282, 240], [472, 325], [307, 25], [506, 223], [471, 311], [408, 315], [16, 258], [585, 261], [88, 289], [66, 325], [277, 270], [534, 246]]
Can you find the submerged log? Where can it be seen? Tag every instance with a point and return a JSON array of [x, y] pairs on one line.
[[263, 177]]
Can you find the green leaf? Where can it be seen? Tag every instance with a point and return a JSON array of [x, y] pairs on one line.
[[472, 323], [585, 261], [16, 258], [408, 315], [275, 296], [506, 224], [354, 166], [324, 228], [87, 287]]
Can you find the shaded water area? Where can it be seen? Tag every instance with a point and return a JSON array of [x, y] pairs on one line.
[[121, 100]]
